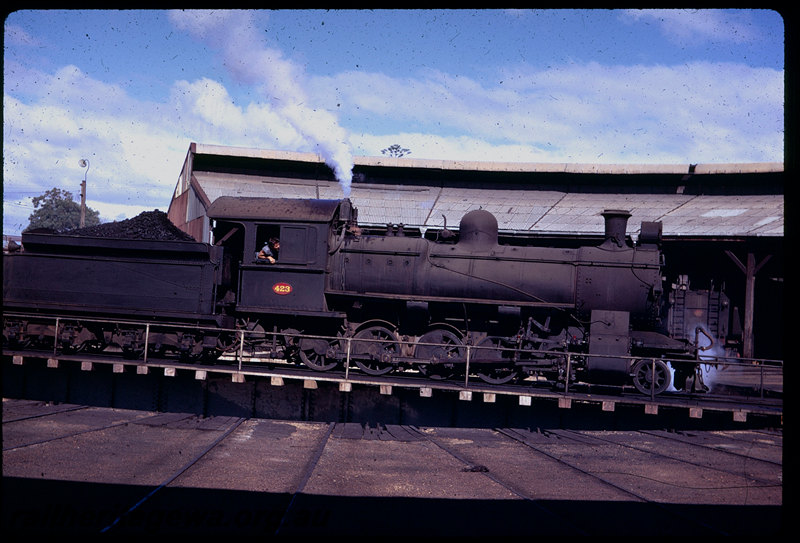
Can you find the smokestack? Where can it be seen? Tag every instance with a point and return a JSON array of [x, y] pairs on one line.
[[616, 226]]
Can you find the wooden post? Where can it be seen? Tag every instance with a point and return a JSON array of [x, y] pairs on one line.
[[750, 270]]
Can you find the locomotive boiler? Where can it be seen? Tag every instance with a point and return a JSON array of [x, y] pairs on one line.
[[460, 304], [500, 298]]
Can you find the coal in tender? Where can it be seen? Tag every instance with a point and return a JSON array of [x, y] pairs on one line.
[[149, 225]]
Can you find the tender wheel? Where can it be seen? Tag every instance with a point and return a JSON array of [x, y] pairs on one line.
[[375, 352], [94, 347], [494, 374], [130, 353], [648, 381], [447, 346], [313, 353]]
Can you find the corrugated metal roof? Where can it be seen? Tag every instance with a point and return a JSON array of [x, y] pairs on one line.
[[534, 211], [523, 207]]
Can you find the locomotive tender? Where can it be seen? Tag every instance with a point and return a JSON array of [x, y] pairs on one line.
[[460, 304]]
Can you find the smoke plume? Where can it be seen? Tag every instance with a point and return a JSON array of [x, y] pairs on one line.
[[243, 54]]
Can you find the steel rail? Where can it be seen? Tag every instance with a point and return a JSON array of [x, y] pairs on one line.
[[505, 484], [309, 470], [174, 476], [511, 434]]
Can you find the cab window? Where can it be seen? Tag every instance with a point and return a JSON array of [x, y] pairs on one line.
[[297, 243]]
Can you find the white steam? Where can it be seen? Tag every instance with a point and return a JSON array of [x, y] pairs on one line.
[[240, 45], [710, 353]]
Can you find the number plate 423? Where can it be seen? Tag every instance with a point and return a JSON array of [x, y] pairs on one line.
[[282, 289]]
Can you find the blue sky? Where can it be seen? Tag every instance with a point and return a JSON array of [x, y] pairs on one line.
[[130, 90]]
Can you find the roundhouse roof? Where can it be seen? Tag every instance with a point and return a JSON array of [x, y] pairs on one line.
[[730, 200]]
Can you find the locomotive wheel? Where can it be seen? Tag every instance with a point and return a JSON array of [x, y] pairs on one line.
[[313, 354], [129, 353], [494, 375], [647, 381], [448, 346], [16, 343], [227, 343], [254, 337], [94, 347], [374, 354]]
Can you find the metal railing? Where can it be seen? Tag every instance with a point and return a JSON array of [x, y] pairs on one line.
[[243, 340]]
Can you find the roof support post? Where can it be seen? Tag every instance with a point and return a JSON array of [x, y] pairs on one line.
[[750, 270]]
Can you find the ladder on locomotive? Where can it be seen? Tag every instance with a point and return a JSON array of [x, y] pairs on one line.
[[679, 314], [714, 300]]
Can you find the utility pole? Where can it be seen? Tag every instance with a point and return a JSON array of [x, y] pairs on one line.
[[83, 164]]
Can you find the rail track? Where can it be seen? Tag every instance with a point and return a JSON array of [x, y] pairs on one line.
[[380, 479]]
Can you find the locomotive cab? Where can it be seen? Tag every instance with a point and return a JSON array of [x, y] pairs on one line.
[[295, 283]]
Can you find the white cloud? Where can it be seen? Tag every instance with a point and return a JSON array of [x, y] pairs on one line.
[[429, 146], [691, 113], [685, 26], [698, 112], [16, 35]]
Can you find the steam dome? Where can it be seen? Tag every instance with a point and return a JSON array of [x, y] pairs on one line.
[[478, 230]]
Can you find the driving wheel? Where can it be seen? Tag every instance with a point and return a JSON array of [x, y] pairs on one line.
[[314, 354], [374, 348], [494, 371], [444, 345]]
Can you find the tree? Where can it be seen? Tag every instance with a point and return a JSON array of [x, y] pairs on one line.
[[56, 210], [396, 151]]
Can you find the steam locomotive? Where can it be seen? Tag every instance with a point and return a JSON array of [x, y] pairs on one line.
[[461, 303]]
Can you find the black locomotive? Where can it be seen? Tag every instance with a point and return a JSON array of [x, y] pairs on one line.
[[458, 304]]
